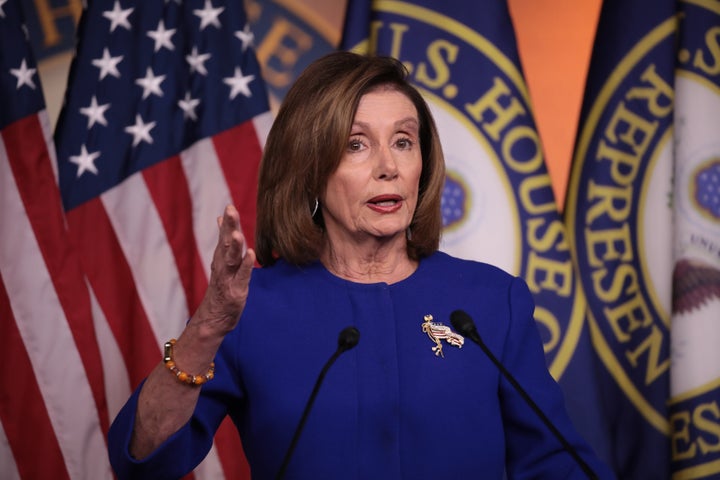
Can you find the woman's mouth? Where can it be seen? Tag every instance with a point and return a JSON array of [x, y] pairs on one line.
[[385, 203]]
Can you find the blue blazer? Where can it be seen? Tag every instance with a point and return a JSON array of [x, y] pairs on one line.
[[391, 408]]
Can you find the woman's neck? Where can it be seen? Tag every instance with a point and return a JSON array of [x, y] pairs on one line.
[[369, 264]]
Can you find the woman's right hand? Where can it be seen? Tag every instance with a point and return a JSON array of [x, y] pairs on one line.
[[165, 403], [230, 271]]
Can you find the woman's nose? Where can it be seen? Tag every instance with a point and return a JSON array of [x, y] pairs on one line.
[[385, 165]]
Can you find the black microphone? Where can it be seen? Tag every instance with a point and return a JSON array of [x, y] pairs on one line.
[[348, 338], [464, 325]]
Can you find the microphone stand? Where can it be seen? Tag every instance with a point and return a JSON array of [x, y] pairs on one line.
[[464, 325], [347, 339]]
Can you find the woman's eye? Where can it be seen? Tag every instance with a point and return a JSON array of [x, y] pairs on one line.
[[355, 145], [404, 143]]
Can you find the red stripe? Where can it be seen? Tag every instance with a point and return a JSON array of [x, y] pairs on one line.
[[239, 152], [230, 451], [109, 274], [22, 408], [169, 190], [35, 179]]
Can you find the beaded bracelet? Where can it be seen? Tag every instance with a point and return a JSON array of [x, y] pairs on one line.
[[184, 376]]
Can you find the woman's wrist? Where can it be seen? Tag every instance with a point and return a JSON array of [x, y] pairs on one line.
[[182, 375], [195, 349]]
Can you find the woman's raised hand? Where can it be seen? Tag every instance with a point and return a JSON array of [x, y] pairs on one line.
[[230, 272]]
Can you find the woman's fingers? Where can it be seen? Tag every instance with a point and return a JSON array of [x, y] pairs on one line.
[[232, 244]]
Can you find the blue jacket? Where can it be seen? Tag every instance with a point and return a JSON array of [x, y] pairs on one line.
[[391, 408]]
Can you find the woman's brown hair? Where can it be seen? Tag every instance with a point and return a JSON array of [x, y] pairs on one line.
[[305, 146]]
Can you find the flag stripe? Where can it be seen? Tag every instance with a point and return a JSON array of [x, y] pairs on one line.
[[32, 168], [209, 193], [117, 381], [168, 187], [111, 280], [135, 222], [54, 415], [211, 468], [142, 239], [135, 337], [23, 408], [29, 268], [208, 189], [9, 469], [238, 150], [227, 442]]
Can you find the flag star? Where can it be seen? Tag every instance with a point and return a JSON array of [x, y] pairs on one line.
[[95, 113], [24, 75], [108, 64], [2, 13], [239, 83], [85, 161], [246, 37], [188, 105], [150, 84], [118, 16], [140, 131], [208, 15], [162, 37], [197, 61]]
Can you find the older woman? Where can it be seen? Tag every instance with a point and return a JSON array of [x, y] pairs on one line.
[[347, 233]]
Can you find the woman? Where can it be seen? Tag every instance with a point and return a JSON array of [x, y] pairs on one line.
[[347, 233]]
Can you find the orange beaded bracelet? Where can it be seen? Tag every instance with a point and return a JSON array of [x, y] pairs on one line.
[[184, 376]]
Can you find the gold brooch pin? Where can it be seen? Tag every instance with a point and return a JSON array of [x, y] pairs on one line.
[[437, 332]]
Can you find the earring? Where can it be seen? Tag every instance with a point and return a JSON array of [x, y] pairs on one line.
[[315, 208]]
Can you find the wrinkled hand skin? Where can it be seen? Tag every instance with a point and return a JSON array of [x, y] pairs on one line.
[[230, 272], [166, 404]]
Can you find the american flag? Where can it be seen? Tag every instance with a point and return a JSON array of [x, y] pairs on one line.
[[163, 124], [53, 409]]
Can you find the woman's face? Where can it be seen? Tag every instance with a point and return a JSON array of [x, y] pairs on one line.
[[374, 191]]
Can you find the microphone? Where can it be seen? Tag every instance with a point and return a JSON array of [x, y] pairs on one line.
[[348, 338], [464, 325]]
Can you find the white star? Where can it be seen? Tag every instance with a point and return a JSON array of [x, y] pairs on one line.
[[118, 16], [197, 61], [2, 13], [150, 84], [208, 15], [239, 83], [246, 37], [95, 113], [108, 64], [188, 105], [140, 131], [24, 75], [162, 37], [85, 161]]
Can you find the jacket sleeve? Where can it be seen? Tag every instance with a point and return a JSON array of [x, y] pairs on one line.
[[187, 447], [533, 451]]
